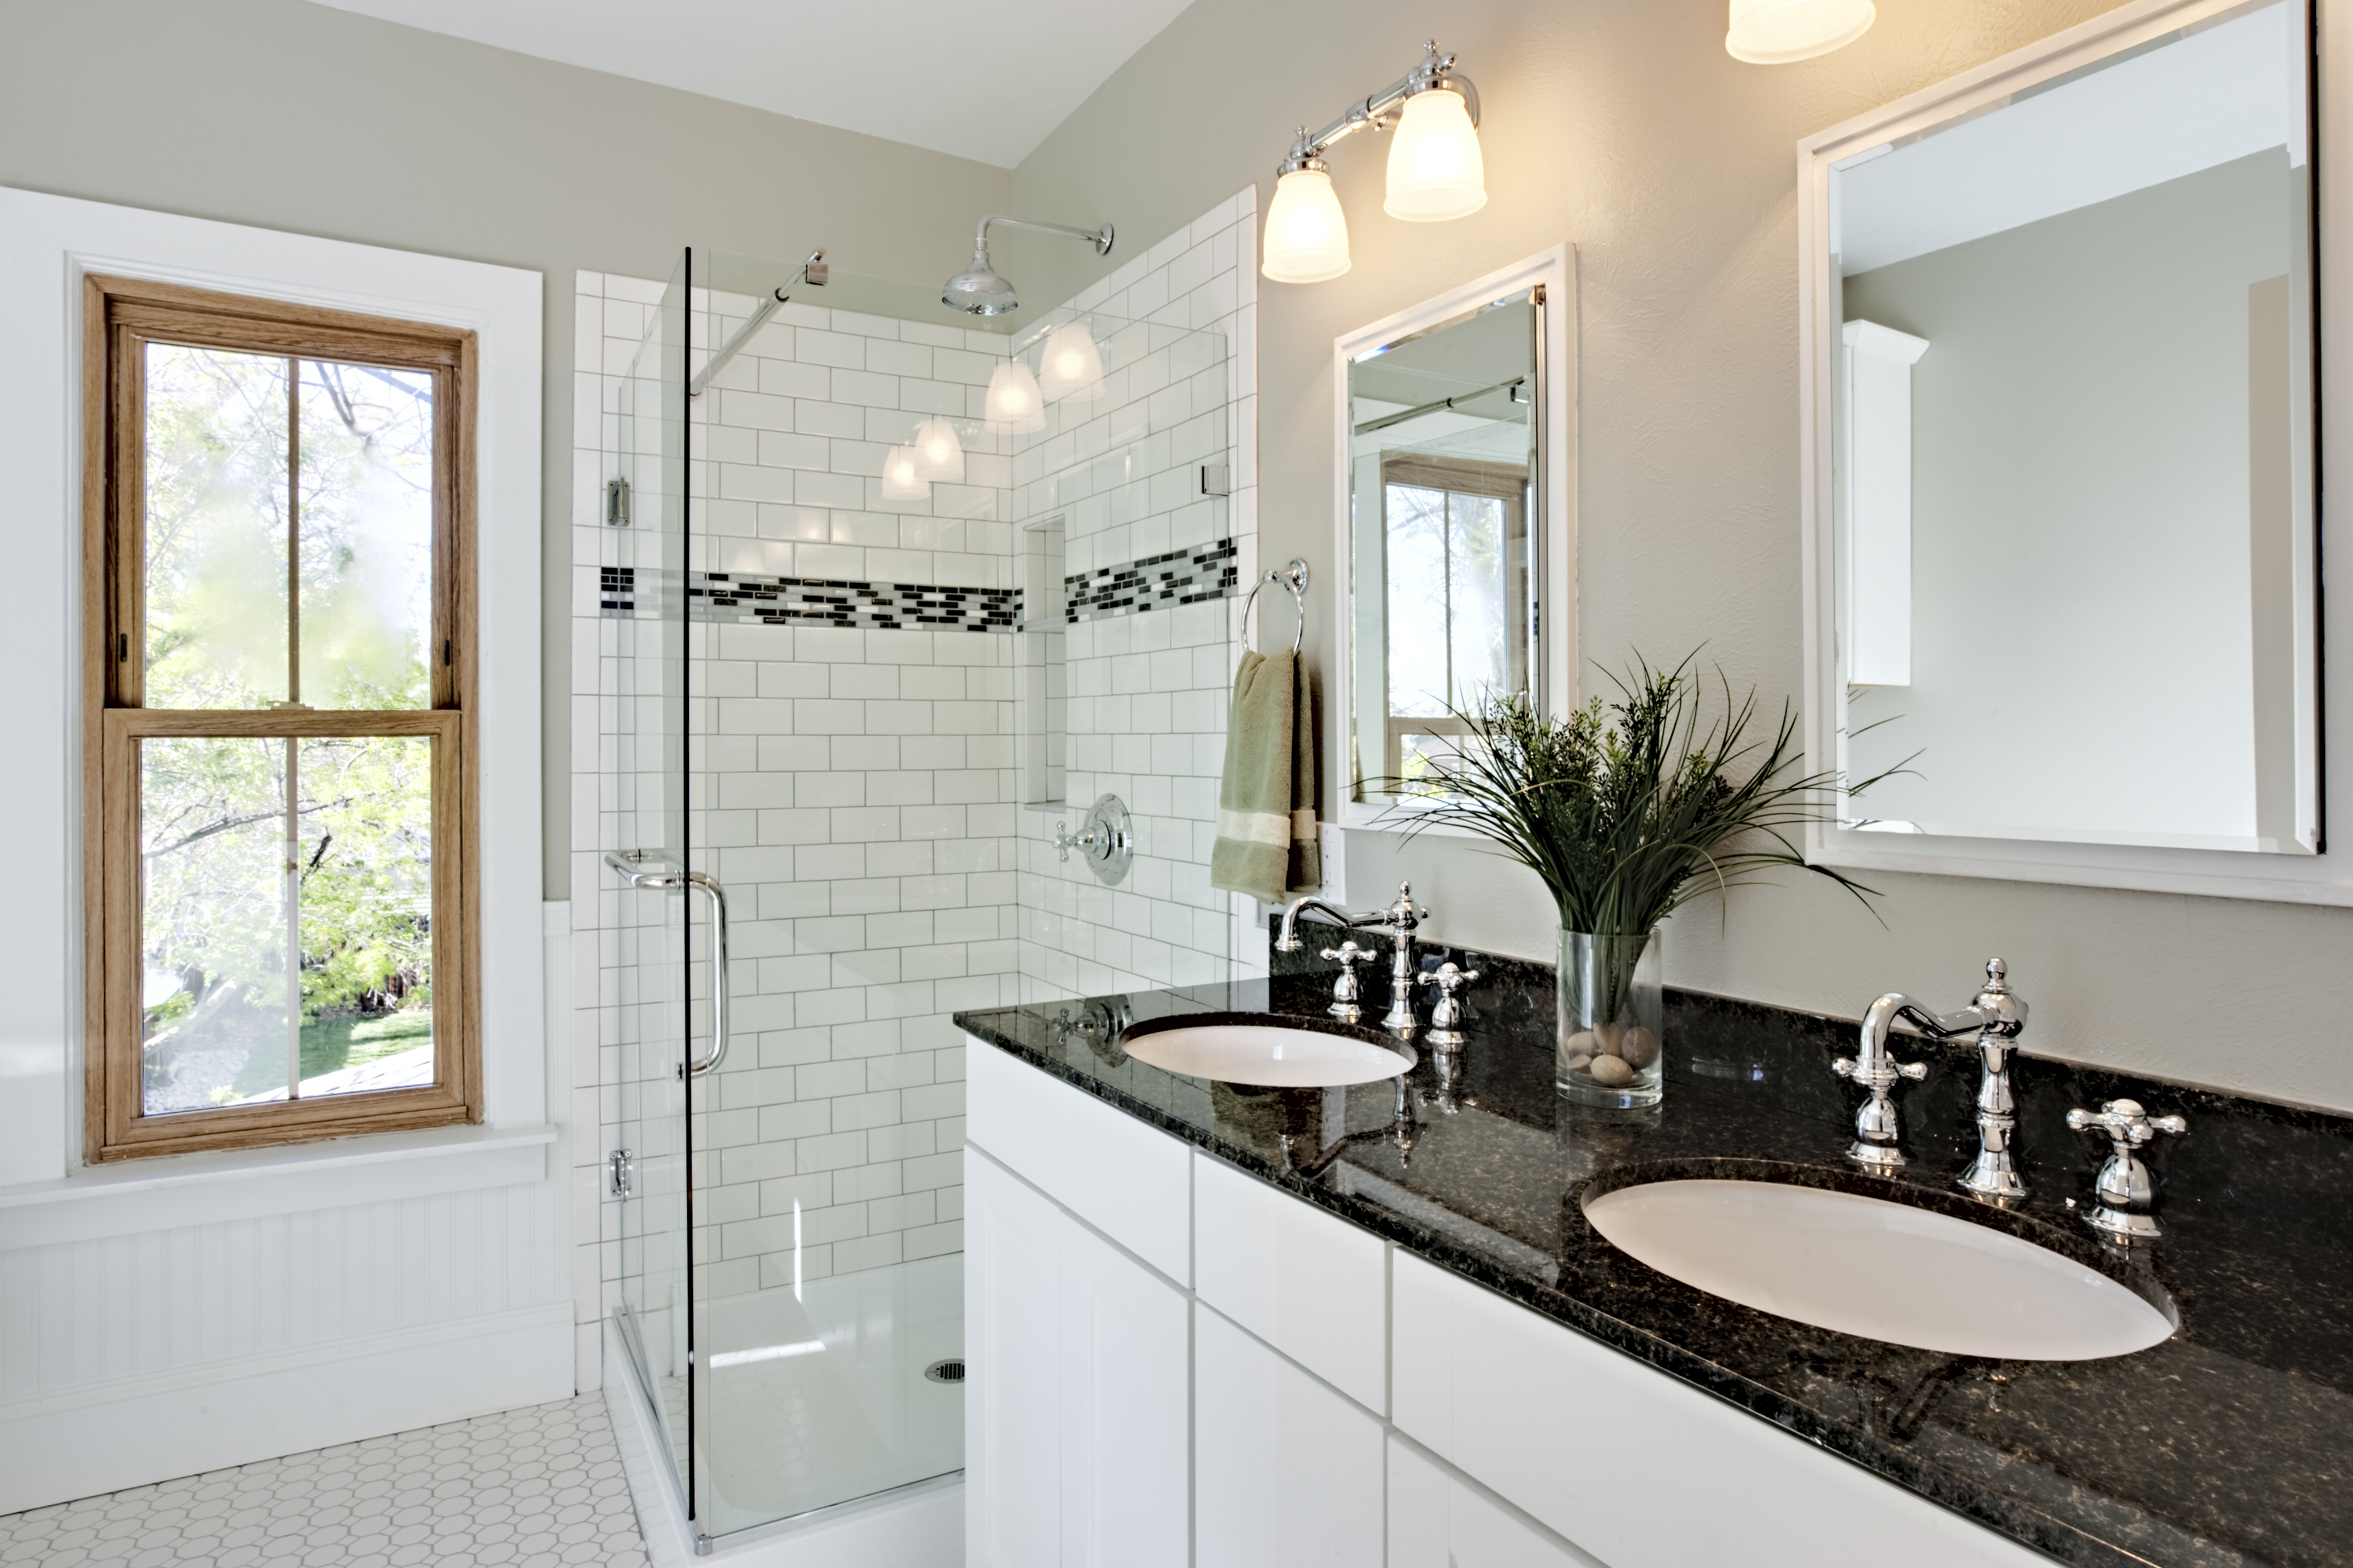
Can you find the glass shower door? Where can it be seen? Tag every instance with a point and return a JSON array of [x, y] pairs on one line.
[[643, 600]]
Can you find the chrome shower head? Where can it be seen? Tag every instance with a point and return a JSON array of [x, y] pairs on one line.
[[980, 289]]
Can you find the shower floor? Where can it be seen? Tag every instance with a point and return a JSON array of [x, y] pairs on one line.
[[818, 1398]]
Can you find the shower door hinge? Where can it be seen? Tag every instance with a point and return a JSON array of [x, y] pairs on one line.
[[621, 1173], [616, 503], [1216, 479]]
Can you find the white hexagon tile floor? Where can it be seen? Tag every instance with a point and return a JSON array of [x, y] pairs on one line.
[[537, 1487]]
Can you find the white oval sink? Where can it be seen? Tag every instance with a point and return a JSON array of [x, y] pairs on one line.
[[1884, 1270], [1267, 1054]]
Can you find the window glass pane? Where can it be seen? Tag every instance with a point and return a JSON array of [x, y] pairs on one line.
[[216, 432], [1475, 549], [213, 885], [365, 846], [1416, 526], [366, 521], [217, 905]]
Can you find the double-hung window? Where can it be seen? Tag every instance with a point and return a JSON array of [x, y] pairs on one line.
[[278, 613]]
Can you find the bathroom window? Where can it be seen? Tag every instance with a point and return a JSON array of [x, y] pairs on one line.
[[279, 605], [1456, 562]]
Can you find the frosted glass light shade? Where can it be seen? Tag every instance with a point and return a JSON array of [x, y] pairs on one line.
[[938, 454], [1014, 401], [899, 481], [1776, 32], [1072, 365], [1435, 169], [1307, 232]]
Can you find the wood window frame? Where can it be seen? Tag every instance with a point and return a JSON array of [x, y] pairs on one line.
[[119, 316]]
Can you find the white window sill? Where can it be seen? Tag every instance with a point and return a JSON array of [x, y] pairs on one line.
[[169, 1192]]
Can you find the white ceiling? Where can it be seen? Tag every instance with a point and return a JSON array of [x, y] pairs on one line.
[[978, 79], [2209, 97]]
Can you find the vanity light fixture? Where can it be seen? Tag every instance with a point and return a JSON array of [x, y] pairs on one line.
[[938, 454], [1013, 400], [1435, 171], [1071, 363], [899, 479], [1776, 32]]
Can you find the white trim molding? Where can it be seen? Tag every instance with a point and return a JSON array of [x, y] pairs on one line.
[[1556, 272], [2315, 879]]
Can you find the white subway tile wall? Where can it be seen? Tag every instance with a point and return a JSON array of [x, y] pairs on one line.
[[855, 789], [1148, 693]]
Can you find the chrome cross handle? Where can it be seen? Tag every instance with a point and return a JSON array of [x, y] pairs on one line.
[[2123, 1192], [1347, 991], [1446, 1017]]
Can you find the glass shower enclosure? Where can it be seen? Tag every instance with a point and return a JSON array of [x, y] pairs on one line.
[[836, 715]]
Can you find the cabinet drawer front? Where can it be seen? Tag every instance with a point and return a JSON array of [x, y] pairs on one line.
[[1437, 1521], [1312, 1287], [1614, 1455], [1125, 1179], [1287, 1474]]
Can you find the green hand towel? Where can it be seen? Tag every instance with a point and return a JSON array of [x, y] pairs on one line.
[[1266, 805]]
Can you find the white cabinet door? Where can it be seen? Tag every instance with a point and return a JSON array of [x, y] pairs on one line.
[[1132, 1181], [1288, 1473], [1524, 1405], [1438, 1521], [1076, 1413], [1126, 1382], [1012, 1412], [1314, 1287]]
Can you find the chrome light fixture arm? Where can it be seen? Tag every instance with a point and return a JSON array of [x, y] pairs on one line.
[[1378, 112], [631, 867]]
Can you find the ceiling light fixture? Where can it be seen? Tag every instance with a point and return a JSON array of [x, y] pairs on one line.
[[1778, 32], [1435, 172]]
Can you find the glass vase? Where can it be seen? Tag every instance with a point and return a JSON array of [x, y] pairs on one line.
[[1611, 1010]]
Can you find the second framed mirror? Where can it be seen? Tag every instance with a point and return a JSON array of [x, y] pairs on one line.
[[1455, 533]]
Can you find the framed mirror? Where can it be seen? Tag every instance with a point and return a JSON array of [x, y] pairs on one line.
[[1453, 531], [2061, 459]]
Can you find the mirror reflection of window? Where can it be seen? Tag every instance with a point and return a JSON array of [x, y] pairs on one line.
[[1441, 466]]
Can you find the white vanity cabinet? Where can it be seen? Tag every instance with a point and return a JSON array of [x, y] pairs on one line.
[[1436, 1520], [1173, 1364], [1076, 1416]]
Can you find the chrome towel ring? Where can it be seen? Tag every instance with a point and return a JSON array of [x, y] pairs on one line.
[[1293, 578]]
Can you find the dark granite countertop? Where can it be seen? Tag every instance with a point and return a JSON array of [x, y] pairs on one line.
[[2232, 1443]]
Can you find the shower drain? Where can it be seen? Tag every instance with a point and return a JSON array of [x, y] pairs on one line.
[[948, 1370]]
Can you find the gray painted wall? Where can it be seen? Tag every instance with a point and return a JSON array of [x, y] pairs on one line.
[[293, 116], [1626, 128]]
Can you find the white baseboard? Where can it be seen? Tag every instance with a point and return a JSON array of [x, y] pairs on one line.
[[135, 1431], [920, 1526]]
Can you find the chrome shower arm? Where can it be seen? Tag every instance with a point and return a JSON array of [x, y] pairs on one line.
[[1100, 238]]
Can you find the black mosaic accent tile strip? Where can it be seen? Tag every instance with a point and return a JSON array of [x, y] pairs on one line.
[[1192, 576], [617, 592], [835, 602]]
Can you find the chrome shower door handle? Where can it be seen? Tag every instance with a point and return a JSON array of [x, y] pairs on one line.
[[628, 864], [706, 883]]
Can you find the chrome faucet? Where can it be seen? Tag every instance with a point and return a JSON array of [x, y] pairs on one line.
[[1400, 920], [1998, 1016], [2125, 1194]]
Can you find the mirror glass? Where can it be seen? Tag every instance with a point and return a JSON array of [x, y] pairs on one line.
[[2073, 390], [1442, 495]]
